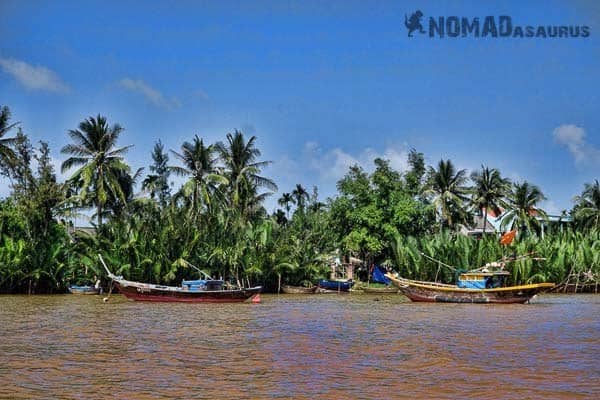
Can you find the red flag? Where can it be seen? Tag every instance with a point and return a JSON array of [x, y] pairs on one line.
[[508, 237]]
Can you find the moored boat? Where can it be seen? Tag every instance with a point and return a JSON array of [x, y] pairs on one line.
[[472, 287], [85, 289], [335, 285], [298, 289], [193, 291], [380, 290]]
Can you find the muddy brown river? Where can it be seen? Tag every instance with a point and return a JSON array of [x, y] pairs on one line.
[[299, 347]]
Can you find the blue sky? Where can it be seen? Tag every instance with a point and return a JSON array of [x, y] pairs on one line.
[[322, 84]]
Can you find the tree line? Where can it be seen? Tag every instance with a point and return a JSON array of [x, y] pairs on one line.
[[216, 218]]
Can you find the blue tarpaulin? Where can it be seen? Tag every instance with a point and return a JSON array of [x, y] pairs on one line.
[[379, 276]]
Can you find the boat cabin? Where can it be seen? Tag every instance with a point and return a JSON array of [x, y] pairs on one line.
[[481, 279], [201, 285]]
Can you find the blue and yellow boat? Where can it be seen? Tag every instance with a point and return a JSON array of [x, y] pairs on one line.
[[479, 286]]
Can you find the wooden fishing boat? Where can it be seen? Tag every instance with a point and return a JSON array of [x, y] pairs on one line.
[[380, 290], [335, 285], [472, 287], [192, 291], [85, 289], [298, 289]]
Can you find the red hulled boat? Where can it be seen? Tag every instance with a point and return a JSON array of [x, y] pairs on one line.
[[195, 291]]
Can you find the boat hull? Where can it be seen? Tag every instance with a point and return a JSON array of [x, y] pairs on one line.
[[83, 290], [330, 286], [143, 292], [298, 289], [440, 293], [382, 290]]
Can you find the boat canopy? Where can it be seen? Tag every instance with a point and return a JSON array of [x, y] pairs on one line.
[[202, 284], [481, 280]]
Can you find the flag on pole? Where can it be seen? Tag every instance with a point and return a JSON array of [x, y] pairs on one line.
[[508, 237]]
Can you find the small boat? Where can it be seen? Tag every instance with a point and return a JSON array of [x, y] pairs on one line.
[[298, 289], [193, 291], [379, 290], [86, 289], [335, 285], [479, 286]]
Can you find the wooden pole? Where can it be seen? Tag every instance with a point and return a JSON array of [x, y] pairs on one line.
[[278, 283]]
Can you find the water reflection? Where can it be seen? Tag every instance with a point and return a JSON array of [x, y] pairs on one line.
[[330, 346]]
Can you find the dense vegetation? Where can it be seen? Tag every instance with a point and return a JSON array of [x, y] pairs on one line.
[[216, 219]]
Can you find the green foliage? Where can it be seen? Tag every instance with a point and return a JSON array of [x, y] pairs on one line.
[[216, 219], [8, 158], [446, 188], [587, 206], [556, 258], [103, 175], [489, 191], [523, 208], [157, 183]]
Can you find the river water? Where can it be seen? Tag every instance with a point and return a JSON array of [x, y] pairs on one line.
[[299, 347]]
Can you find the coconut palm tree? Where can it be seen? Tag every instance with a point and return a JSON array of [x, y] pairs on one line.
[[8, 157], [200, 164], [242, 170], [102, 164], [300, 196], [446, 187], [523, 211], [285, 200], [158, 182], [489, 191], [127, 182], [587, 207]]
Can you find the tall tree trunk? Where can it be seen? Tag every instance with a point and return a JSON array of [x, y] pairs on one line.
[[485, 214]]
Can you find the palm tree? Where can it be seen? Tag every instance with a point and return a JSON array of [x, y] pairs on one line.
[[587, 208], [242, 170], [446, 186], [102, 165], [126, 181], [200, 164], [414, 176], [8, 157], [285, 200], [522, 204], [300, 196], [489, 191], [158, 182]]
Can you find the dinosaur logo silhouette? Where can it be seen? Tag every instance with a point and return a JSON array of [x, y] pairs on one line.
[[414, 22]]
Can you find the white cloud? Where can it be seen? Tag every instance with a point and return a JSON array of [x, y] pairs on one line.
[[333, 164], [550, 207], [60, 176], [151, 94], [573, 138], [314, 165], [33, 77]]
